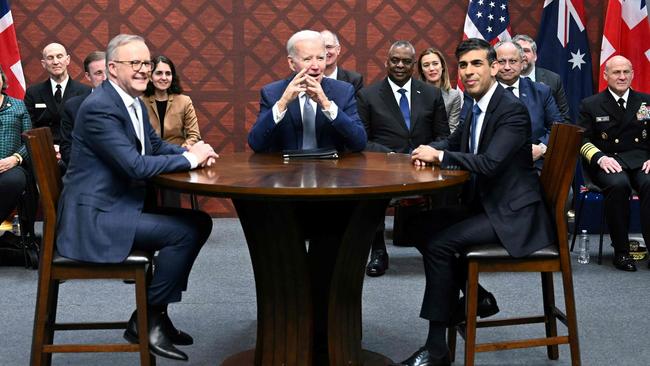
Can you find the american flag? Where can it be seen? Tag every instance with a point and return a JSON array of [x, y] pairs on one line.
[[9, 54], [488, 20]]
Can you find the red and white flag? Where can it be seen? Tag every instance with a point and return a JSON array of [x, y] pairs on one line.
[[627, 33], [9, 54]]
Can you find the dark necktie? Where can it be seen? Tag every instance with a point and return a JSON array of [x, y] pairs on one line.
[[474, 135], [404, 107], [511, 89], [57, 94], [308, 126], [621, 102]]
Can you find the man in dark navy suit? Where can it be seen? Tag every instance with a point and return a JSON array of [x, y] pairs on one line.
[[333, 49], [95, 72], [101, 208], [331, 107], [536, 96], [501, 199]]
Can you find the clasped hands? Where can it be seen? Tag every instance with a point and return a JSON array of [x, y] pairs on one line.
[[424, 154], [303, 82], [204, 153]]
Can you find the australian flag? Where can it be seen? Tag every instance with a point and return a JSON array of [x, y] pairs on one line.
[[562, 47]]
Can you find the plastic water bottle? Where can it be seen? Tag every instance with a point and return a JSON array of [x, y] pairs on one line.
[[15, 225], [583, 248]]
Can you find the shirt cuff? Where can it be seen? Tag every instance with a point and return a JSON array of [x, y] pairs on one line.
[[441, 156], [543, 147], [332, 112], [277, 115], [194, 161], [599, 159]]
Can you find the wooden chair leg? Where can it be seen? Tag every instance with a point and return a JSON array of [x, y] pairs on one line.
[[451, 342], [550, 322], [146, 358], [471, 304], [570, 309], [40, 321], [576, 223]]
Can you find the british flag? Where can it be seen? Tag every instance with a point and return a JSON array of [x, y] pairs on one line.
[[9, 54], [488, 20]]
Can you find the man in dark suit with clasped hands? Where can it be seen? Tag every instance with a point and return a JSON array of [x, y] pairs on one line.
[[101, 209], [501, 199]]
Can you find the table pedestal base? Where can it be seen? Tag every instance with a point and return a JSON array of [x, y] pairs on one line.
[[247, 358], [309, 302]]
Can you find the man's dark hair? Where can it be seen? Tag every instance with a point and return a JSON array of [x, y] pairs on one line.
[[472, 44], [92, 57], [174, 87]]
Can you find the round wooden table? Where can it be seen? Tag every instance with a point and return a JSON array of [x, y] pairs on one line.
[[337, 205]]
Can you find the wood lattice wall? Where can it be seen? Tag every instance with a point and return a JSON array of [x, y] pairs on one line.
[[225, 50]]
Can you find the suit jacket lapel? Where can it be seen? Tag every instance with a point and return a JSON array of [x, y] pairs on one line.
[[146, 127], [467, 125], [48, 97], [633, 105], [131, 134], [296, 119], [486, 128], [386, 93], [611, 106]]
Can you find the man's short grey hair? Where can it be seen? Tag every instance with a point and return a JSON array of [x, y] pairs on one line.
[[118, 41], [406, 44], [303, 35], [336, 38], [526, 38], [517, 46]]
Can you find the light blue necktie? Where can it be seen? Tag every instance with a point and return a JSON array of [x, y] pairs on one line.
[[474, 135], [308, 126], [404, 107]]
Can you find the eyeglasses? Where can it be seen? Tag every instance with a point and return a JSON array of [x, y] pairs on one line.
[[511, 62], [136, 65]]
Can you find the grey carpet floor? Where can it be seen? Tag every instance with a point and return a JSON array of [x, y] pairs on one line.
[[219, 310]]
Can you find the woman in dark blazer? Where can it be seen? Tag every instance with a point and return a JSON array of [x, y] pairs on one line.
[[14, 120], [433, 70]]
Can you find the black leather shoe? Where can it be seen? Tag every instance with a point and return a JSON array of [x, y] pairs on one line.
[[378, 263], [624, 262], [422, 357], [487, 306], [178, 337], [159, 344]]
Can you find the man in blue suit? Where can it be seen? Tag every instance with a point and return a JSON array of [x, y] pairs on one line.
[[537, 97], [101, 209], [501, 199], [282, 122], [310, 111]]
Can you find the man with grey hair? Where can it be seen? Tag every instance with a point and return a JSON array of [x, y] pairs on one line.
[[399, 113], [308, 111], [45, 100], [322, 112], [536, 96], [541, 75], [333, 49], [102, 212]]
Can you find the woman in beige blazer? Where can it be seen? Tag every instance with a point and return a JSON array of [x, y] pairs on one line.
[[171, 112]]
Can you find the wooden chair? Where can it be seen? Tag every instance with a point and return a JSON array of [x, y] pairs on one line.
[[559, 167], [54, 268]]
